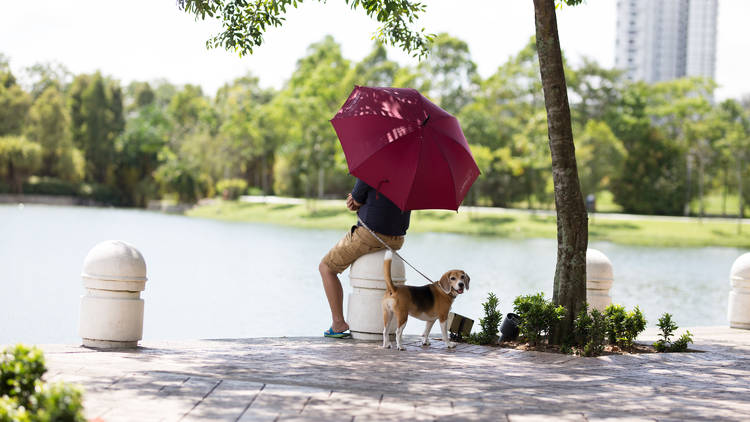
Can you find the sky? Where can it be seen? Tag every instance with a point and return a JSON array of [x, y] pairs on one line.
[[148, 40]]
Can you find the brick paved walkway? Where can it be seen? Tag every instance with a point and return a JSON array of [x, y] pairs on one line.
[[338, 380]]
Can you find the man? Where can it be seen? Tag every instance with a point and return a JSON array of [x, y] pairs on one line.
[[387, 221]]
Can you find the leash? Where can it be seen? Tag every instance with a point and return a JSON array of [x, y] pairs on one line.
[[398, 255]]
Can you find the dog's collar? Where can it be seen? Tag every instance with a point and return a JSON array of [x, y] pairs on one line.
[[449, 292]]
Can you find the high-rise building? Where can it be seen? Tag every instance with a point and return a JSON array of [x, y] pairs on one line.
[[659, 40]]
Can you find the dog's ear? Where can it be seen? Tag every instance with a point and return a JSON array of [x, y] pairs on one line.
[[445, 282], [467, 279]]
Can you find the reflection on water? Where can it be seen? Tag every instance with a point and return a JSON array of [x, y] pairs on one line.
[[213, 279]]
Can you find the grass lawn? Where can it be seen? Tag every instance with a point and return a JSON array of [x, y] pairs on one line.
[[510, 224], [713, 204], [605, 202]]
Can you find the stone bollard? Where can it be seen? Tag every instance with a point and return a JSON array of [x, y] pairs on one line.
[[599, 280], [739, 298], [114, 274], [364, 314]]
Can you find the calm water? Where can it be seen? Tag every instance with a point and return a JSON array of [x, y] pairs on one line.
[[212, 279]]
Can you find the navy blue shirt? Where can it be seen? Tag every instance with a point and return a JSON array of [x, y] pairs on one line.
[[378, 212]]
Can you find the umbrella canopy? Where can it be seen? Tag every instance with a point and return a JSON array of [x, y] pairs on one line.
[[405, 147]]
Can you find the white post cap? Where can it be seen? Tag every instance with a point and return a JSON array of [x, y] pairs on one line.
[[114, 265]]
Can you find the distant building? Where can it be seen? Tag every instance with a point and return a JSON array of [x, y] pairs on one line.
[[660, 40]]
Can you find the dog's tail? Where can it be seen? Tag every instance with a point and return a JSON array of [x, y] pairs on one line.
[[390, 288]]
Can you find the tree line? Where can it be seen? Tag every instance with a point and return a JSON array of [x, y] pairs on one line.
[[655, 147]]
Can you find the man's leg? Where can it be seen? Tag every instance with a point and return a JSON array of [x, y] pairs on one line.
[[346, 251], [335, 295]]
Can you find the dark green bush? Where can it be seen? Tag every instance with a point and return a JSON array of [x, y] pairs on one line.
[[667, 327], [102, 194], [623, 327], [681, 344], [49, 186], [589, 331], [25, 398], [653, 181], [635, 323], [537, 316], [615, 315], [490, 323]]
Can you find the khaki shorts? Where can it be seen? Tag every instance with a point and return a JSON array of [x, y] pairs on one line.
[[357, 242]]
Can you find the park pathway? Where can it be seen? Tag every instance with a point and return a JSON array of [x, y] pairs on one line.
[[318, 379]]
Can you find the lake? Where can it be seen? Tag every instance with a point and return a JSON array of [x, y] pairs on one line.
[[216, 279]]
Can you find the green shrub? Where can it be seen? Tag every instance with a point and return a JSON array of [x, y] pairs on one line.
[[20, 368], [490, 323], [49, 186], [231, 188], [10, 411], [58, 402], [623, 327], [102, 194], [615, 315], [19, 159], [253, 190], [667, 327], [537, 316], [25, 398], [635, 323], [589, 331], [681, 344]]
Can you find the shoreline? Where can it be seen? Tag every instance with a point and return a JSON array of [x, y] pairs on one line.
[[625, 229]]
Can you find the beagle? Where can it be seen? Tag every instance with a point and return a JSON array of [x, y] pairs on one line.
[[428, 303]]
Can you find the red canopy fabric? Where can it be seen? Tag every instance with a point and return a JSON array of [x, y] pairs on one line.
[[406, 147]]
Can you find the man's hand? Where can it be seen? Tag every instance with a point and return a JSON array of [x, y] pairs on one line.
[[352, 204]]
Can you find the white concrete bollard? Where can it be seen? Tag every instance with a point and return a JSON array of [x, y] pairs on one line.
[[739, 298], [599, 278], [114, 274], [364, 314]]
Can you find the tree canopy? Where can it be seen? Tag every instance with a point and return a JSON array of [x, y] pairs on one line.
[[245, 22]]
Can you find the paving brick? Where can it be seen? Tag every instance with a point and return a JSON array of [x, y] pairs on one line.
[[314, 379]]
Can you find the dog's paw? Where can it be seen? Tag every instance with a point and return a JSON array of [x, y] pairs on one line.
[[450, 345], [425, 342], [401, 348], [387, 346]]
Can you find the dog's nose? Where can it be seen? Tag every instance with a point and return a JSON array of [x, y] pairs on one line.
[[460, 285]]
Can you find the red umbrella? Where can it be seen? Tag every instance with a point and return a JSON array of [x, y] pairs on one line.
[[405, 147]]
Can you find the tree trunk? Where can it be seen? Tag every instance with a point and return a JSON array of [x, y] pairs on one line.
[[264, 175], [741, 211], [724, 194], [16, 186], [700, 187], [689, 170], [321, 182], [572, 221]]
